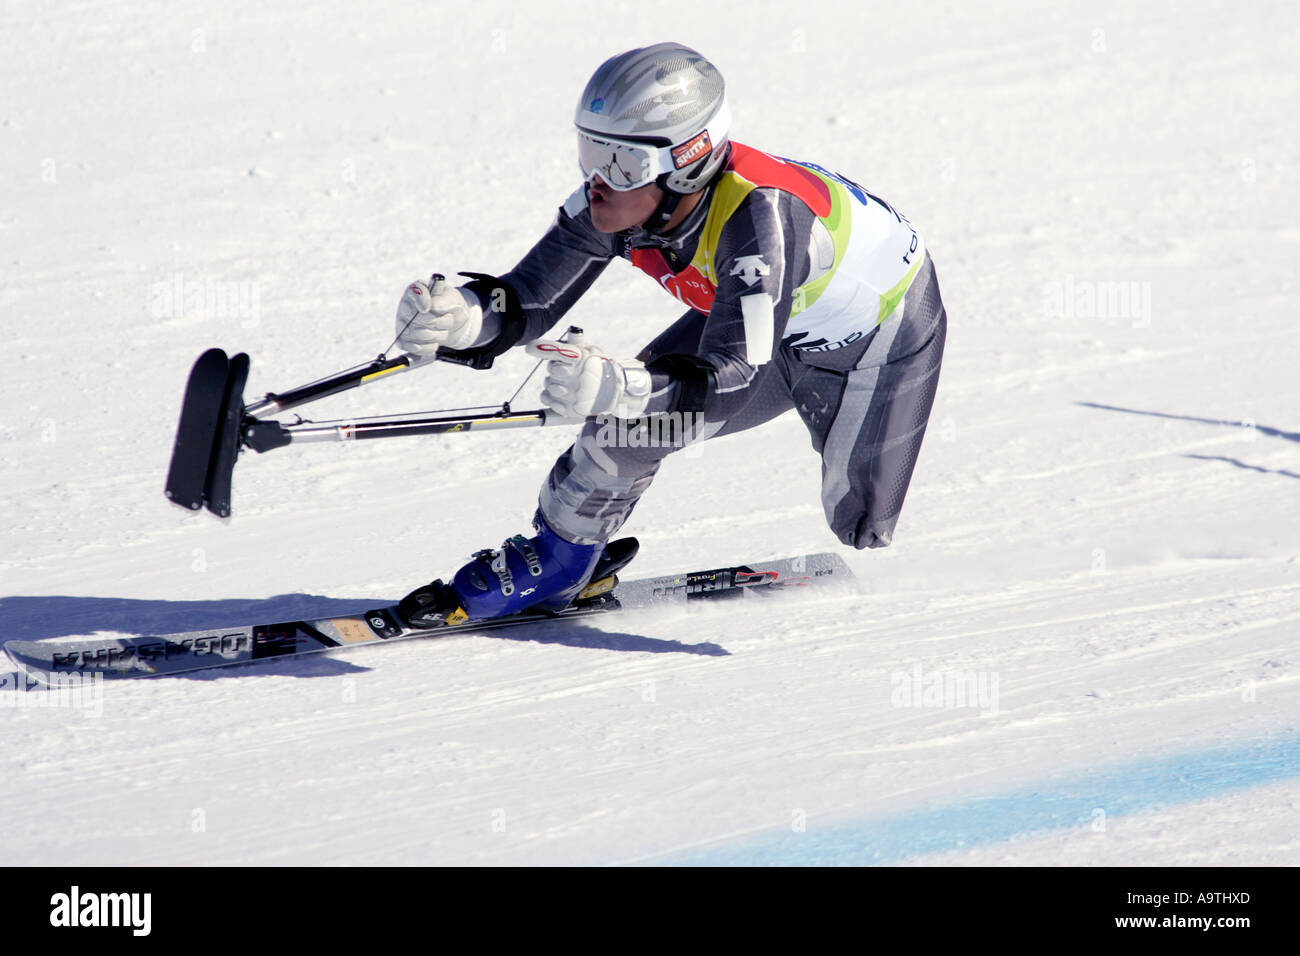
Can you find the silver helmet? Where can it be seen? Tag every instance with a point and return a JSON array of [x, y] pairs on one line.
[[665, 96]]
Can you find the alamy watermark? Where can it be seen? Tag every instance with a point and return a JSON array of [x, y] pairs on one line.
[[1094, 301], [945, 689], [77, 908], [84, 692], [205, 298], [678, 430]]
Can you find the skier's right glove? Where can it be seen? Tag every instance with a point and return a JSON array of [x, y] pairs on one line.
[[436, 314]]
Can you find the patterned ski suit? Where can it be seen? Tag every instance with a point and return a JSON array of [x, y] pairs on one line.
[[803, 291]]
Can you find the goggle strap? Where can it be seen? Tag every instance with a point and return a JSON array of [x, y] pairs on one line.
[[664, 211]]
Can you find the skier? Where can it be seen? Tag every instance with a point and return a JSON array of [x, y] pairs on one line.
[[803, 290]]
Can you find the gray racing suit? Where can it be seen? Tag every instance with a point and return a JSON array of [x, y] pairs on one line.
[[804, 292]]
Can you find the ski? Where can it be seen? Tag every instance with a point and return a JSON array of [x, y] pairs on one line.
[[154, 656]]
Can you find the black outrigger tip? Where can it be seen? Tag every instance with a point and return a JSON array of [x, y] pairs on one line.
[[208, 434]]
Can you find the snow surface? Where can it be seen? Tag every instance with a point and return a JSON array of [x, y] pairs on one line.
[[1102, 533]]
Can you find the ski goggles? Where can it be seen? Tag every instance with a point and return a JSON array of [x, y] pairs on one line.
[[622, 165], [628, 164]]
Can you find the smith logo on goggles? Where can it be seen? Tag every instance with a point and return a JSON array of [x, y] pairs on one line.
[[694, 148]]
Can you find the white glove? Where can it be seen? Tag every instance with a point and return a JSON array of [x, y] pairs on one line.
[[581, 381], [437, 314]]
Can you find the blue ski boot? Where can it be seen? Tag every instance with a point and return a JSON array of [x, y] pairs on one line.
[[543, 573]]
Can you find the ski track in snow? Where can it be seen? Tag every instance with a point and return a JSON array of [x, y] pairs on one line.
[[1100, 532]]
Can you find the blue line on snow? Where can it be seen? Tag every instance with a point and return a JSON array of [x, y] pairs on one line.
[[1053, 805]]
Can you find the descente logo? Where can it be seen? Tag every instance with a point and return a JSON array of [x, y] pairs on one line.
[[102, 909]]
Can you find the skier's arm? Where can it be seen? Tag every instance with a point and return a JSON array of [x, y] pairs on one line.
[[761, 258], [524, 303]]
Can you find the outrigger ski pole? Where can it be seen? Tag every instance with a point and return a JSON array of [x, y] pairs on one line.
[[215, 423]]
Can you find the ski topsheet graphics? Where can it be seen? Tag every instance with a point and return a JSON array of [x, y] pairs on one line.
[[220, 647]]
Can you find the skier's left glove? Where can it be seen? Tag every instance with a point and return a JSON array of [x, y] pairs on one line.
[[582, 381]]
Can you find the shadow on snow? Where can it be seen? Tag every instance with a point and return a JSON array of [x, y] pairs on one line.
[[25, 618], [1259, 429]]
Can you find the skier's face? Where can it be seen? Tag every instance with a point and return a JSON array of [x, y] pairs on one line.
[[614, 211]]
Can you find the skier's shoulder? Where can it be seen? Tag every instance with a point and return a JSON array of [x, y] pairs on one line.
[[576, 204], [762, 214], [775, 180]]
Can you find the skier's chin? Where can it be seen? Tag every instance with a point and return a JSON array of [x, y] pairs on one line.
[[610, 220]]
